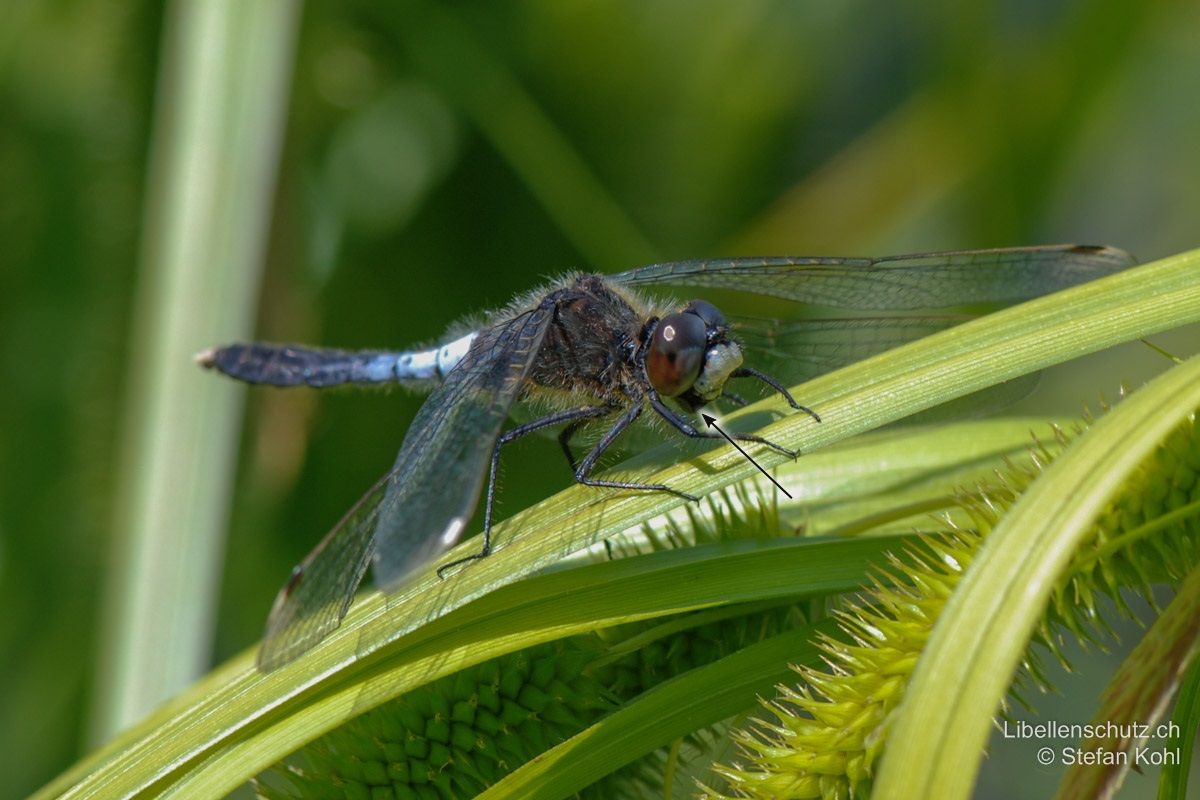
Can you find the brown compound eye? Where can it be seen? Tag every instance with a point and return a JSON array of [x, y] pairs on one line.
[[676, 354]]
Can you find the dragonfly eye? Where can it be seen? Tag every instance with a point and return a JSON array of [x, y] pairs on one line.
[[676, 354], [714, 320]]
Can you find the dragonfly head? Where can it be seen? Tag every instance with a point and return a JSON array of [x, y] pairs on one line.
[[691, 355]]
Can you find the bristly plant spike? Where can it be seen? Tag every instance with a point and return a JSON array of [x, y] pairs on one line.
[[823, 737], [457, 735]]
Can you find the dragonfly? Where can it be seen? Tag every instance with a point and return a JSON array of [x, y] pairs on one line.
[[600, 351]]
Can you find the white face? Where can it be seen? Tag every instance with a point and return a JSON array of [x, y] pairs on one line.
[[719, 363]]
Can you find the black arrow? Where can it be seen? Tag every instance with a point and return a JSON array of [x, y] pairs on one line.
[[712, 423]]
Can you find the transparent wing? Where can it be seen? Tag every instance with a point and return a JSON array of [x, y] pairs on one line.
[[441, 465], [794, 351], [928, 280], [421, 507], [322, 586], [797, 350]]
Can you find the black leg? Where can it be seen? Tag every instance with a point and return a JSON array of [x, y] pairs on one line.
[[687, 429], [584, 470], [751, 372], [574, 415], [564, 440]]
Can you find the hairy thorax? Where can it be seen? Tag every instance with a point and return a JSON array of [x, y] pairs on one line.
[[589, 347]]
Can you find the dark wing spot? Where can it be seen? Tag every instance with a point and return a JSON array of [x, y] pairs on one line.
[[294, 580]]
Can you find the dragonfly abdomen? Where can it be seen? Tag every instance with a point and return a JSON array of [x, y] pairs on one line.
[[290, 365]]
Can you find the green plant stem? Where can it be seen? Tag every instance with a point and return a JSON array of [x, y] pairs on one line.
[[1173, 781], [224, 84]]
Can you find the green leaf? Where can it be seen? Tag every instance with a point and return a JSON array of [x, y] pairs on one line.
[[239, 721]]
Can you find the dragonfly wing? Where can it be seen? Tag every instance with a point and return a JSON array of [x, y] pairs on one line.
[[794, 351], [440, 469], [322, 586], [928, 280], [413, 512]]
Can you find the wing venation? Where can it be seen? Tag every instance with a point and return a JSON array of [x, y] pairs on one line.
[[927, 280]]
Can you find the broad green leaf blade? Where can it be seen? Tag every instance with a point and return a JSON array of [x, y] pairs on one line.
[[228, 729], [941, 728], [899, 477], [1139, 694], [699, 698], [862, 474]]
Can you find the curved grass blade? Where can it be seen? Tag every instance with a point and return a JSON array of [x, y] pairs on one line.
[[699, 698], [224, 731]]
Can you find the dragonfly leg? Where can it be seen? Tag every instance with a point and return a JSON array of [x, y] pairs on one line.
[[564, 440], [687, 429], [584, 470], [751, 372], [575, 416]]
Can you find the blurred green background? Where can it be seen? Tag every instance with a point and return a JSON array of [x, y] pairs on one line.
[[438, 159]]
